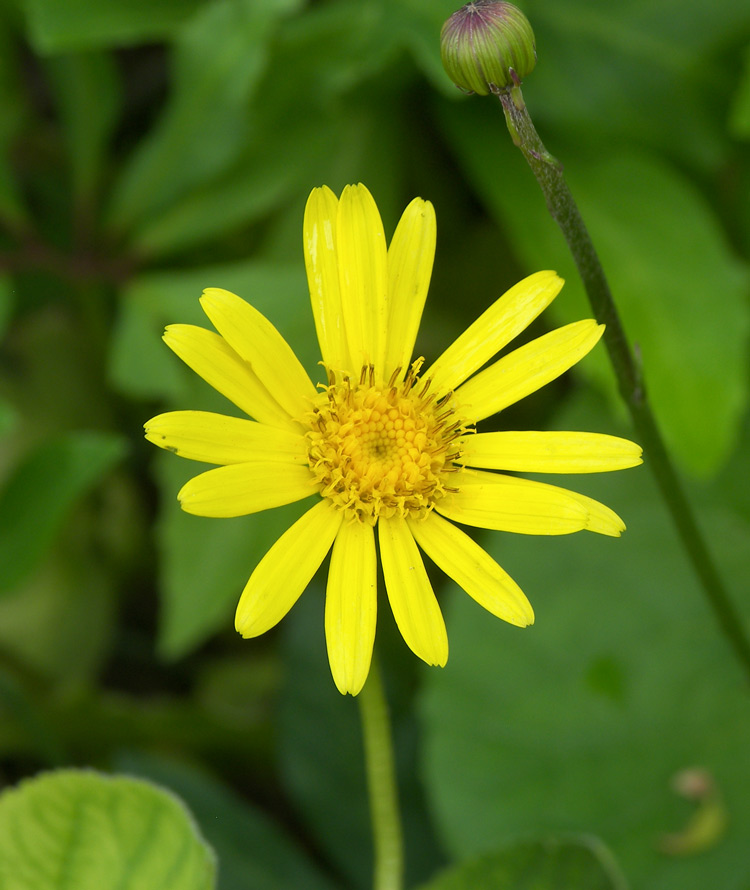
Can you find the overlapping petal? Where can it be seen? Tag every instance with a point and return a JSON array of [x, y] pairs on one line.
[[220, 439], [410, 593], [493, 330], [239, 489], [213, 359], [526, 369], [351, 606], [410, 257], [363, 276], [531, 451], [322, 265], [508, 504], [278, 580], [256, 340], [472, 568]]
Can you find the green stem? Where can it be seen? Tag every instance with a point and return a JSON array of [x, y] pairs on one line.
[[562, 207], [381, 783]]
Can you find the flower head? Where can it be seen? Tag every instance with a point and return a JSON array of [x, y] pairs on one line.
[[387, 447]]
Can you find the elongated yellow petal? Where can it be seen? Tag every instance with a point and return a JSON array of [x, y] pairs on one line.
[[286, 570], [494, 329], [220, 439], [526, 369], [549, 452], [321, 262], [410, 257], [244, 488], [363, 276], [351, 606], [505, 503], [473, 569], [410, 594], [255, 339], [212, 358], [601, 519]]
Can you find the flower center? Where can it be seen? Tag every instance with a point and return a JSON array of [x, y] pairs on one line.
[[380, 450]]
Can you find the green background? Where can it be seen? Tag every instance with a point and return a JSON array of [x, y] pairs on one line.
[[145, 156]]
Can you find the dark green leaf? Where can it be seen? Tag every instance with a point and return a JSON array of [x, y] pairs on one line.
[[94, 832], [41, 491], [554, 863]]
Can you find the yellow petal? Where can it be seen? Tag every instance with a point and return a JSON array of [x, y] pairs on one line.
[[321, 262], [526, 369], [286, 570], [363, 276], [351, 606], [494, 329], [412, 600], [463, 560], [410, 257], [255, 339], [244, 488], [505, 503], [213, 359], [601, 519], [219, 439], [549, 452]]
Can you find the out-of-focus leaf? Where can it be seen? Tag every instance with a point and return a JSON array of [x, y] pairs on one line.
[[739, 120], [88, 95], [82, 829], [680, 291], [40, 492], [13, 104], [524, 734], [205, 563], [218, 60], [554, 863], [252, 850], [92, 24], [141, 365]]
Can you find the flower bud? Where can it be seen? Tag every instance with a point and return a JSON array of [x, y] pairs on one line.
[[487, 45]]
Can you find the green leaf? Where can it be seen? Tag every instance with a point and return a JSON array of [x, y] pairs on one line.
[[88, 96], [254, 851], [14, 111], [40, 492], [90, 24], [739, 119], [218, 60], [554, 863], [537, 741], [85, 830], [680, 291]]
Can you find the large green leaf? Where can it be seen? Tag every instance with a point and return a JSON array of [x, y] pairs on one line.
[[41, 491], [95, 832], [582, 722], [87, 89], [254, 852], [88, 24], [681, 292], [218, 60], [554, 863]]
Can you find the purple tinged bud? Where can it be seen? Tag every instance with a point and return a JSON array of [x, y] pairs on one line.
[[487, 46]]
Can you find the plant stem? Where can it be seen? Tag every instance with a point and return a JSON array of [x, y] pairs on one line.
[[563, 209], [381, 783]]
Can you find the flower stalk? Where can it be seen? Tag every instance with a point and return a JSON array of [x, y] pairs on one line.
[[381, 783], [564, 210]]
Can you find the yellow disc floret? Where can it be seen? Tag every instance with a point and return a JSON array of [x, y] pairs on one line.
[[379, 450]]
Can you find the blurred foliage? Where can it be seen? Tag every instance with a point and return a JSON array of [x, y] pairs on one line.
[[145, 155]]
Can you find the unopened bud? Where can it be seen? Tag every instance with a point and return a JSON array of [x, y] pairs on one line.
[[487, 46]]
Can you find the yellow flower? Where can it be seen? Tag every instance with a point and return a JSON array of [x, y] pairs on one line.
[[385, 445]]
